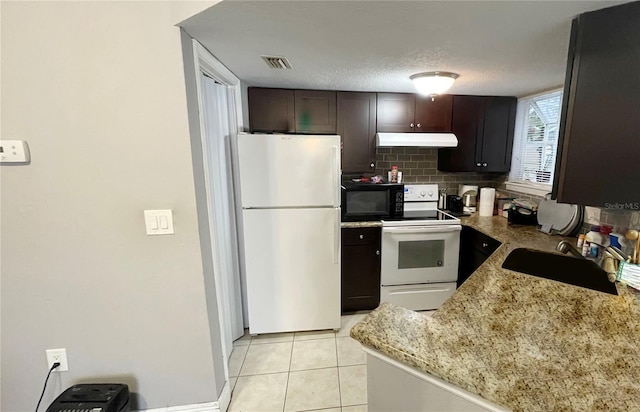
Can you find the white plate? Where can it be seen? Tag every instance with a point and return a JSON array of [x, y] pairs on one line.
[[575, 223], [559, 215]]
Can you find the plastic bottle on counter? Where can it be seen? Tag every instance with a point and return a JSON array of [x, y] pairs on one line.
[[394, 174], [586, 248], [593, 250], [594, 235], [605, 231], [592, 241], [580, 241]]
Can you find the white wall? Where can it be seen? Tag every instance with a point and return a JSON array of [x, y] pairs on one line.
[[97, 89]]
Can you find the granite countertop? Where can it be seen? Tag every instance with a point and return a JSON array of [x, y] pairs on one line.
[[526, 343], [372, 223]]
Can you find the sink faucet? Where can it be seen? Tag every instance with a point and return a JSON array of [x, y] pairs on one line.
[[566, 247]]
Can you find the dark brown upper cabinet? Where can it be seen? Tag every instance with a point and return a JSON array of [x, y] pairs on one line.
[[433, 115], [484, 127], [599, 141], [494, 154], [396, 112], [406, 113], [315, 111], [271, 110], [357, 129]]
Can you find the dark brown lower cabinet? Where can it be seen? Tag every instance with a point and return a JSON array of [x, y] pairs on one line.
[[360, 268], [475, 248]]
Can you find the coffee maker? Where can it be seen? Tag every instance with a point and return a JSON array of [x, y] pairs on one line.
[[469, 195]]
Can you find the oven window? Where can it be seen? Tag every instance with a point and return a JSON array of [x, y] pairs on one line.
[[420, 254], [369, 202]]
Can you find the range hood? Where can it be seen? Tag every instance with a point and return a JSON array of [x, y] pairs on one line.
[[416, 140]]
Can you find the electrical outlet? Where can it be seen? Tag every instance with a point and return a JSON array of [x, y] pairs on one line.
[[57, 355], [592, 215]]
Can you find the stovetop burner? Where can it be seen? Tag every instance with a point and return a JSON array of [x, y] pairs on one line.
[[420, 202], [422, 218]]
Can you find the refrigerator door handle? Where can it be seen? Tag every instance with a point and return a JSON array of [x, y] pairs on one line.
[[336, 237], [335, 165]]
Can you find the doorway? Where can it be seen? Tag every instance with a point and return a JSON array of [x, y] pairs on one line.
[[216, 120], [219, 121]]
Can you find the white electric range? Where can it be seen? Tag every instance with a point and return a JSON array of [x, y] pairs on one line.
[[420, 252]]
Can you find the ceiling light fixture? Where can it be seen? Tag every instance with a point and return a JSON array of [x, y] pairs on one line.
[[433, 83]]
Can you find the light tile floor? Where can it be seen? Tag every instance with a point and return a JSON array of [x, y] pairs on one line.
[[301, 371]]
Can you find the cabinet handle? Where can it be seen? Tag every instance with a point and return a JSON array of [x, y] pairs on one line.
[[361, 237], [372, 165], [485, 244], [418, 125], [478, 164], [377, 252], [411, 125], [484, 165]]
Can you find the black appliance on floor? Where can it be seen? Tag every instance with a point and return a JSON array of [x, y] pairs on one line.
[[93, 397]]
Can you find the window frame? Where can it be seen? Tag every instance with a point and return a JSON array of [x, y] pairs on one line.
[[521, 185]]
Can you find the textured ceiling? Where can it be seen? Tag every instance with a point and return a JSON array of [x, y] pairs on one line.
[[498, 47]]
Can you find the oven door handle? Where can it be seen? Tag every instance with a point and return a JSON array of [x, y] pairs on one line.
[[422, 229], [413, 291]]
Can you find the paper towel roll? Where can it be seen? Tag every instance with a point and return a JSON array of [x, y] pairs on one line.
[[487, 198]]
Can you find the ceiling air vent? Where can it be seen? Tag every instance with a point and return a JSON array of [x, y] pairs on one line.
[[277, 62]]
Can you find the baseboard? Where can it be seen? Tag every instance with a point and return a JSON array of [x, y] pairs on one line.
[[196, 407], [221, 405], [225, 397]]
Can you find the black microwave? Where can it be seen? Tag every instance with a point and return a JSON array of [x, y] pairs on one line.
[[372, 201]]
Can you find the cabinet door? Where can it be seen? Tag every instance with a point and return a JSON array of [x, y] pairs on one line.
[[315, 111], [396, 112], [475, 248], [357, 129], [466, 260], [271, 110], [433, 115], [360, 269], [599, 143], [467, 124], [497, 135]]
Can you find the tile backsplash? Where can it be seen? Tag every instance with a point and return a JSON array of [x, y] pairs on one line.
[[619, 219], [420, 165]]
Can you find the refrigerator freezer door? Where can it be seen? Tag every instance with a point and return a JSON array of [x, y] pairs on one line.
[[293, 269], [289, 170]]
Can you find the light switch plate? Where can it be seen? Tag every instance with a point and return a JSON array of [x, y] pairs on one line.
[[159, 222], [14, 151]]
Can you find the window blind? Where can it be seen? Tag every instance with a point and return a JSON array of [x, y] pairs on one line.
[[536, 139]]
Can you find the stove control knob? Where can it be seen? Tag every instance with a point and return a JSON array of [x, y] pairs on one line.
[[430, 193], [423, 193]]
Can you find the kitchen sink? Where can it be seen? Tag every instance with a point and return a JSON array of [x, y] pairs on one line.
[[566, 269]]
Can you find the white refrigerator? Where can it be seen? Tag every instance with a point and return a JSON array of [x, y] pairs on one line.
[[290, 193]]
